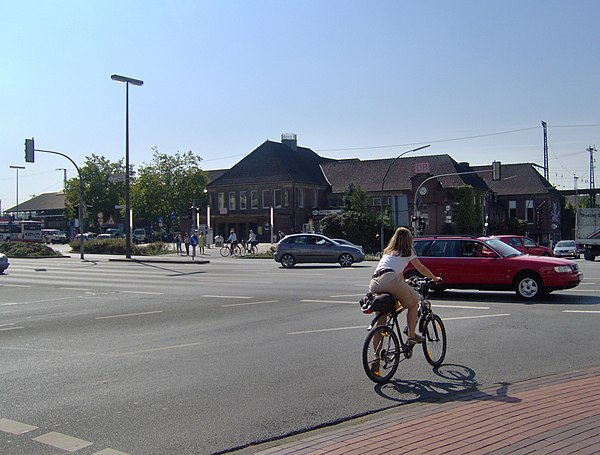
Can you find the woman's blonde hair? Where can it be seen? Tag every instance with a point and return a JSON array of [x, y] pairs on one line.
[[401, 243]]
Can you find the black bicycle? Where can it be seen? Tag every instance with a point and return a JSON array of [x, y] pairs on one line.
[[385, 345]]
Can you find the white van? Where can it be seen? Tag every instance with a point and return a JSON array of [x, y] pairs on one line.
[[139, 235]]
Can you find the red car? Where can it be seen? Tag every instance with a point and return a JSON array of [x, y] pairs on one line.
[[525, 245], [487, 263]]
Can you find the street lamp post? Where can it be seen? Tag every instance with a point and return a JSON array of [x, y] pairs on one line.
[[17, 169], [127, 81], [383, 183]]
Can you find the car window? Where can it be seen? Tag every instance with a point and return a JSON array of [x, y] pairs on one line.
[[421, 247], [467, 249], [299, 240], [514, 241], [444, 248], [529, 243]]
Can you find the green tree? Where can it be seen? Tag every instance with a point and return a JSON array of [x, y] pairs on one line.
[[467, 210], [168, 184], [99, 195], [356, 199]]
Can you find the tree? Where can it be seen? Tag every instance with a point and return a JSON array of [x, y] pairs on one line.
[[99, 195], [467, 210], [169, 184], [356, 199]]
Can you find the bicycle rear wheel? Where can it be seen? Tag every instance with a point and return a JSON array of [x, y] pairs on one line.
[[381, 354], [225, 251], [435, 344]]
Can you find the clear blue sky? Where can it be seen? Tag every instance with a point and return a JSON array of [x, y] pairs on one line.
[[349, 77]]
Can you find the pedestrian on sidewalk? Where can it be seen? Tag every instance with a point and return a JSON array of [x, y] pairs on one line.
[[178, 243], [186, 241], [194, 243], [201, 242]]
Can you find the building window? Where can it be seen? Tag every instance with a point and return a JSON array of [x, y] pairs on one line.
[[300, 198], [286, 198], [266, 203], [376, 202], [512, 209], [529, 211], [277, 199], [315, 199], [242, 200], [232, 200], [254, 199], [221, 198]]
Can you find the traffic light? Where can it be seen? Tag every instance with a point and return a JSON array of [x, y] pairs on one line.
[[29, 150], [496, 170]]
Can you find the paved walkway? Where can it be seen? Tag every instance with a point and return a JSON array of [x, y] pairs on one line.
[[557, 414]]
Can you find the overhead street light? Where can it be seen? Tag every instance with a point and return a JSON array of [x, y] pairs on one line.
[[127, 81], [383, 182], [17, 169]]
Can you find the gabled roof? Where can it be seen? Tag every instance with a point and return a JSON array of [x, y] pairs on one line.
[[46, 201], [369, 174], [275, 162], [517, 179]]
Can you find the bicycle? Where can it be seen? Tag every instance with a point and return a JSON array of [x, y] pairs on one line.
[[385, 345], [250, 247], [226, 250]]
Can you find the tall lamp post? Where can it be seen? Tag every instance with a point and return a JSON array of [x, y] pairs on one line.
[[383, 183], [17, 169], [127, 81]]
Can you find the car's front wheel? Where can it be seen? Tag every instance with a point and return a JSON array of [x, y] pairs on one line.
[[287, 261], [346, 260], [529, 287]]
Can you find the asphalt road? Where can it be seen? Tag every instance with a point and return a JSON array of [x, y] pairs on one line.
[[192, 359]]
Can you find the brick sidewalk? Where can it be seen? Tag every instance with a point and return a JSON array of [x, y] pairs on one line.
[[553, 414]]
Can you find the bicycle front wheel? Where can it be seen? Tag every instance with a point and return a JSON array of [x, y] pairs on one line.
[[435, 344], [381, 354], [225, 251]]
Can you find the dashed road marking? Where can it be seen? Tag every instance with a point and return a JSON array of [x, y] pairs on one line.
[[162, 348], [6, 327], [62, 441], [226, 296], [333, 329], [129, 314], [14, 427], [476, 317], [142, 292], [328, 301], [249, 303], [582, 311]]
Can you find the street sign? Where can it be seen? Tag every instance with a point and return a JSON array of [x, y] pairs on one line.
[[173, 217], [160, 221], [116, 178], [119, 207]]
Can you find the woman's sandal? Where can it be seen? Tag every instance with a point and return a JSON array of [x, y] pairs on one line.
[[417, 339]]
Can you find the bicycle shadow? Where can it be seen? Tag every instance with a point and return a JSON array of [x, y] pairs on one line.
[[457, 383]]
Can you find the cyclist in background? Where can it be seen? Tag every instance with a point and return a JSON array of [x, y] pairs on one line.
[[388, 278], [232, 239]]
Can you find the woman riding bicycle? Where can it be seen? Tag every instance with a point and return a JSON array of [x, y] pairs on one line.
[[388, 278]]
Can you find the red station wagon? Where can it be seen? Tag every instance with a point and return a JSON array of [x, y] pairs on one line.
[[487, 263], [525, 245]]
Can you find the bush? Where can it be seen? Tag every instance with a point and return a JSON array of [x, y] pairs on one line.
[[117, 246], [27, 249]]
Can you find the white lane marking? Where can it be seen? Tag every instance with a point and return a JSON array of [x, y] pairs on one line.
[[14, 427], [17, 285], [142, 292], [225, 296], [335, 329], [582, 311], [327, 301], [142, 351], [75, 289], [110, 452], [6, 329], [347, 295], [250, 303], [62, 441], [129, 314], [35, 301], [477, 317], [462, 307]]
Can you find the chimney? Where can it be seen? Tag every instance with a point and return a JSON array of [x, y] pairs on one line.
[[290, 139]]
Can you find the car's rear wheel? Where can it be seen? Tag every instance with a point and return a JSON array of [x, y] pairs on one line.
[[529, 287], [346, 260], [287, 261]]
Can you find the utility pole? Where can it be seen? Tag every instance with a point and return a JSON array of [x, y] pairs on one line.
[[592, 185], [545, 127], [64, 178]]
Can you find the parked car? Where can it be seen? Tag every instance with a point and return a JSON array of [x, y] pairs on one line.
[[349, 243], [525, 245], [86, 236], [115, 233], [104, 236], [139, 235], [54, 236], [297, 248], [566, 248], [487, 263], [3, 262]]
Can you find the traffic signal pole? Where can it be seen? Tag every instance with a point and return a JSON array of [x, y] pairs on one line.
[[30, 158]]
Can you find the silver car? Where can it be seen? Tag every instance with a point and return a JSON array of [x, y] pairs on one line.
[[566, 248], [297, 248], [3, 262]]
